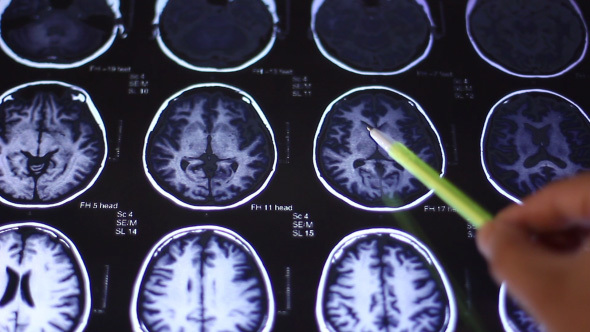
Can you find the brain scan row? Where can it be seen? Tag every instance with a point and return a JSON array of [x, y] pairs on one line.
[[221, 35], [372, 37], [528, 38], [384, 280], [354, 168], [202, 278], [56, 33], [52, 144], [210, 147], [44, 285], [533, 137]]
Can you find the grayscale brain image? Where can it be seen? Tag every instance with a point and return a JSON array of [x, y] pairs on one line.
[[530, 38], [210, 147], [384, 280], [372, 36], [203, 278], [43, 281], [531, 138], [354, 168], [52, 144], [513, 317], [211, 35], [57, 33]]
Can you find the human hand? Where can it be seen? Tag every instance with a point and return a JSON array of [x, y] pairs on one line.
[[551, 283]]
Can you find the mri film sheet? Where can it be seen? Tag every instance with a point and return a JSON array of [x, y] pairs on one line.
[[353, 167], [210, 147], [533, 137], [53, 144], [205, 165]]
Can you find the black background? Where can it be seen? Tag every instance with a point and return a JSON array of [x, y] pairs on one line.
[[113, 261]]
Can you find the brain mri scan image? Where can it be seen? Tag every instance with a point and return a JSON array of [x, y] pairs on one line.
[[210, 147], [202, 278], [43, 281], [215, 35], [52, 144], [532, 137], [384, 280], [528, 38], [513, 318], [58, 33], [354, 168], [372, 37]]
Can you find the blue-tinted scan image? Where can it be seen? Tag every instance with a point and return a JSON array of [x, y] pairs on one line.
[[384, 280], [210, 147], [513, 318], [372, 37], [354, 168], [202, 278], [215, 35], [52, 144], [58, 33], [44, 285], [532, 137], [528, 38]]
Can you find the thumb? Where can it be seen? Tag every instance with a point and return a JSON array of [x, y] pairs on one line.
[[546, 283], [514, 258]]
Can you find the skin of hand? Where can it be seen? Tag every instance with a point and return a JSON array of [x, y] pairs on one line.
[[552, 285]]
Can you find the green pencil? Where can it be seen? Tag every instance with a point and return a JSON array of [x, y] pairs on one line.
[[448, 192]]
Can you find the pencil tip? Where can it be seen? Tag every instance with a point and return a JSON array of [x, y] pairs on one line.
[[369, 128]]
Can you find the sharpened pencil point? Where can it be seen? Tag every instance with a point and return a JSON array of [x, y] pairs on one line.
[[369, 128]]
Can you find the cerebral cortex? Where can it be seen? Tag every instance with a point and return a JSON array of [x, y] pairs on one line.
[[52, 144], [528, 37], [210, 148], [57, 31], [532, 138], [372, 36], [204, 279], [353, 167], [383, 280], [217, 34], [43, 282]]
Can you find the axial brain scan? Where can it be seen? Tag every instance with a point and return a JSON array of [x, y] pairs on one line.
[[528, 38], [513, 318], [531, 138], [215, 35], [202, 278], [353, 167], [371, 36], [43, 281], [57, 33], [210, 147], [384, 280], [52, 144]]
